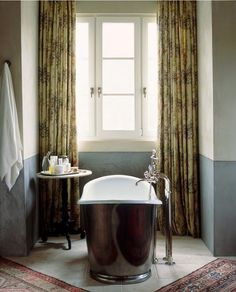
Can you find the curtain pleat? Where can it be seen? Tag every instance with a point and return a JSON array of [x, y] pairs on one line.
[[177, 145], [57, 103]]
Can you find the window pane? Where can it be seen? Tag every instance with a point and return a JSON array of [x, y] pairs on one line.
[[82, 76], [152, 112], [152, 76], [118, 113], [118, 76], [82, 79], [152, 40], [83, 107], [118, 40], [82, 40]]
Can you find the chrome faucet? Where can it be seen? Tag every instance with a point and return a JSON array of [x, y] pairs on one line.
[[153, 176], [150, 174], [152, 166]]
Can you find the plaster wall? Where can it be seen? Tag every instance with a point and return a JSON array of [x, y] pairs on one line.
[[12, 204], [224, 68], [29, 60], [18, 207], [205, 78], [116, 6], [217, 103], [10, 49]]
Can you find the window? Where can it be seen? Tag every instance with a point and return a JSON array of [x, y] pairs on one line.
[[116, 79]]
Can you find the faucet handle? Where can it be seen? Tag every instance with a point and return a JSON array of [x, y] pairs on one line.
[[153, 160], [154, 155], [150, 168]]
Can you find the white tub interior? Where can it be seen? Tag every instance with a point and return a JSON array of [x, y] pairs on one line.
[[120, 189]]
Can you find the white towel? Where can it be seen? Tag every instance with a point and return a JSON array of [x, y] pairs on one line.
[[10, 143]]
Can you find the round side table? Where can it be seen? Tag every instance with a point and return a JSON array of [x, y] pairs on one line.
[[64, 178]]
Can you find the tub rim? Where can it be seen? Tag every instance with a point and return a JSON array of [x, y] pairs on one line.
[[120, 202], [154, 200]]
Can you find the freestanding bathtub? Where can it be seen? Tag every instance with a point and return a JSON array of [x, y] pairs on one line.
[[119, 220]]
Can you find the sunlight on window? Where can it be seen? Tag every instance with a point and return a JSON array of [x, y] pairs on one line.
[[118, 77], [116, 62], [82, 77], [118, 113], [118, 40], [152, 76]]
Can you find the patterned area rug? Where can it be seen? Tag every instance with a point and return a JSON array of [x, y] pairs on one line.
[[217, 276], [17, 278]]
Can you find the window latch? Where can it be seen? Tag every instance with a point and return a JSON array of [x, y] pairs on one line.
[[91, 92], [99, 91], [144, 92]]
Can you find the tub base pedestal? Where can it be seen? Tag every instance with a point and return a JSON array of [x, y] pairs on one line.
[[120, 279]]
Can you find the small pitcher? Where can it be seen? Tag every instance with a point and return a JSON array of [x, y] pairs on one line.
[[45, 162]]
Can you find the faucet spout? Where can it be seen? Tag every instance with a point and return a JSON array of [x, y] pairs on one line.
[[138, 181]]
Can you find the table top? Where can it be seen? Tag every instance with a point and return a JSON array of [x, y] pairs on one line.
[[80, 173]]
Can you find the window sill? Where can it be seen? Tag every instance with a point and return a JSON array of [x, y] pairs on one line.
[[117, 146]]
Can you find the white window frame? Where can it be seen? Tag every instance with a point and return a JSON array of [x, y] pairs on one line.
[[146, 131], [97, 137], [105, 134], [92, 101]]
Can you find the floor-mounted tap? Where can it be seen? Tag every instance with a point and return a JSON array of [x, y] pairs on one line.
[[153, 176]]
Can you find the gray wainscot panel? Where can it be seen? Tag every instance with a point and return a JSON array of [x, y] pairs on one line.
[[207, 201], [32, 200], [107, 163], [225, 208], [12, 219], [19, 212]]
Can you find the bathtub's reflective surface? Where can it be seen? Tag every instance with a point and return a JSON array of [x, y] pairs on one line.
[[120, 241]]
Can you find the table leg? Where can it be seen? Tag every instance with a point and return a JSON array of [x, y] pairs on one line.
[[42, 227], [65, 216]]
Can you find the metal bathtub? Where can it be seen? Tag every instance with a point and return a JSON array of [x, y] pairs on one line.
[[119, 217]]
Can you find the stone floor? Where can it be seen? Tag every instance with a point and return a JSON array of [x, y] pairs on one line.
[[72, 265]]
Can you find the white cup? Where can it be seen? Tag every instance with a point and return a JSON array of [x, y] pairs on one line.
[[53, 159], [58, 169], [67, 167]]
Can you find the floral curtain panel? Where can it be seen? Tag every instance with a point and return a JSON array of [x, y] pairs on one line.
[[57, 111], [178, 112]]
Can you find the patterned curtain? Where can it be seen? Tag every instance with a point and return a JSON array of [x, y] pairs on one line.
[[177, 146], [57, 113]]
